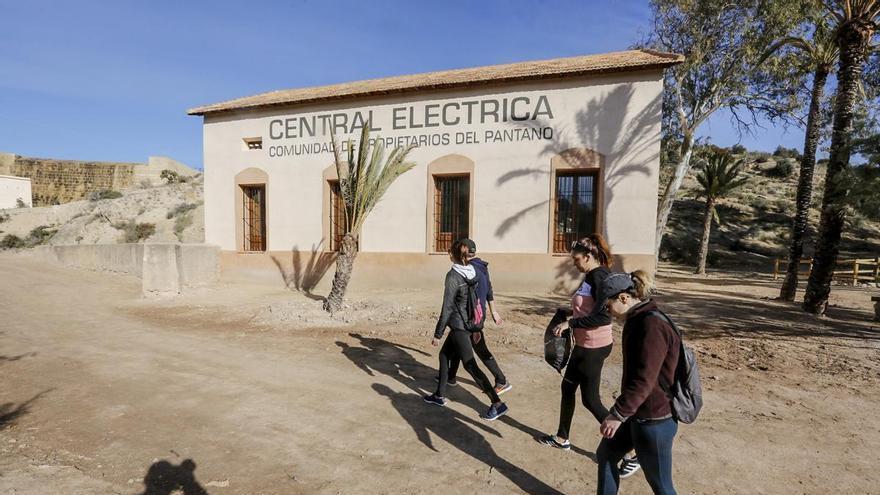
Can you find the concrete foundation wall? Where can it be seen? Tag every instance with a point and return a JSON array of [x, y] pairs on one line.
[[313, 270], [163, 268]]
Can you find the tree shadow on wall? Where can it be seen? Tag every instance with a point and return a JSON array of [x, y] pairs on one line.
[[165, 478], [601, 125], [304, 275]]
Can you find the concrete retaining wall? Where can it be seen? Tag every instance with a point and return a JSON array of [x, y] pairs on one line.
[[164, 269]]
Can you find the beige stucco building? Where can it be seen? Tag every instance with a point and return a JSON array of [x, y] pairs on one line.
[[13, 189], [523, 158]]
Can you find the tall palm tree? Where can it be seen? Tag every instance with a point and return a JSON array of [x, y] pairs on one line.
[[363, 179], [857, 22], [719, 176], [820, 56]]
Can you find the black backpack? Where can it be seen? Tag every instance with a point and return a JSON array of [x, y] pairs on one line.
[[474, 317], [686, 391]]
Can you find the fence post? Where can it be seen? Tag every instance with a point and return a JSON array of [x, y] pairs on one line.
[[877, 269], [775, 268], [855, 272]]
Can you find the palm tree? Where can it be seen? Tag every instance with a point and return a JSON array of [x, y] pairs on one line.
[[857, 22], [363, 179], [718, 177], [820, 56]]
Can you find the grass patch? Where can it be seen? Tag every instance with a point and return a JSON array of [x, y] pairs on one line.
[[105, 194]]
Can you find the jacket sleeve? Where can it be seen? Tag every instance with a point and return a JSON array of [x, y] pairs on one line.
[[599, 315], [491, 295], [450, 288], [646, 351]]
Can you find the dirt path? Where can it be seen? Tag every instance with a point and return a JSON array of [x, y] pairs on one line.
[[103, 392]]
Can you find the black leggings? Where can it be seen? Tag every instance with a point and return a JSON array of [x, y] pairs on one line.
[[458, 345], [584, 370], [482, 351]]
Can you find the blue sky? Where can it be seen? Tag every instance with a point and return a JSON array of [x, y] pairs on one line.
[[112, 80]]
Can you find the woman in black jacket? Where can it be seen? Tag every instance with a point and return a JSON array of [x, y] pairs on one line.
[[460, 278]]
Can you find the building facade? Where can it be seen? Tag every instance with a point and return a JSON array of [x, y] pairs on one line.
[[523, 158]]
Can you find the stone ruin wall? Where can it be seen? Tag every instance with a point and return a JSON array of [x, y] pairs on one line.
[[62, 181]]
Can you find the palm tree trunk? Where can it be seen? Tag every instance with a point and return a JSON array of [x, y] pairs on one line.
[[854, 40], [681, 170], [344, 267], [704, 242], [805, 188]]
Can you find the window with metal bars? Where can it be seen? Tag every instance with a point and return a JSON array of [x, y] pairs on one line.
[[337, 216], [254, 217], [451, 210], [575, 208]]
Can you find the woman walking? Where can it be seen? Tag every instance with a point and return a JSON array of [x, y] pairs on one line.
[[460, 279], [485, 297], [641, 418], [591, 328]]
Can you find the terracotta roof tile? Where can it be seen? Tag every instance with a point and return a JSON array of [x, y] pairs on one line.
[[630, 60]]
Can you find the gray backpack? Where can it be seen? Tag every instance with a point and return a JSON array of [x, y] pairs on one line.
[[686, 391]]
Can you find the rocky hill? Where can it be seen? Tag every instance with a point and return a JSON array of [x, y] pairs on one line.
[[756, 219], [166, 213]]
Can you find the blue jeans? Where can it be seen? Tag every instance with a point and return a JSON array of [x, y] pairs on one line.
[[653, 444]]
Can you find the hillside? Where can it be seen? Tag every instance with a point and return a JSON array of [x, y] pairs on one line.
[[756, 221], [166, 213]]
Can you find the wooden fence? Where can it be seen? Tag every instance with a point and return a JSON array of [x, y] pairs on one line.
[[851, 271]]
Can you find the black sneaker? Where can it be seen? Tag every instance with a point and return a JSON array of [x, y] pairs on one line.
[[434, 399], [629, 466], [451, 383], [495, 412], [551, 441]]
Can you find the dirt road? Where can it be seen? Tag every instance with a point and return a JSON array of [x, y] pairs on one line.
[[104, 392]]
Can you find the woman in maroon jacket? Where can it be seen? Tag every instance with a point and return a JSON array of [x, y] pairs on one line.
[[641, 418]]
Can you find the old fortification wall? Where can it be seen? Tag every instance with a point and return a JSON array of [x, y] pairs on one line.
[[62, 181]]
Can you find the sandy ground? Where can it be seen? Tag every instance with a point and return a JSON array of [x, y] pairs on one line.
[[252, 390]]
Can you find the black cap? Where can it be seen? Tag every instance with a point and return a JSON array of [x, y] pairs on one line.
[[472, 247], [616, 283]]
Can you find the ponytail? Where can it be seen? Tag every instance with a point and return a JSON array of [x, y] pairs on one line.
[[597, 246], [459, 253], [643, 284]]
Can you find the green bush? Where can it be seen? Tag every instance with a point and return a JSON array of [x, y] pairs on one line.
[[738, 149], [105, 194], [181, 209], [39, 235], [170, 176], [783, 168], [12, 242], [19, 203], [135, 232], [4, 217]]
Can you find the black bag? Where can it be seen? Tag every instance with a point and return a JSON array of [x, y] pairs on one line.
[[686, 393], [474, 319], [557, 350]]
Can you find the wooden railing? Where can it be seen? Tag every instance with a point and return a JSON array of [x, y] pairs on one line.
[[852, 271]]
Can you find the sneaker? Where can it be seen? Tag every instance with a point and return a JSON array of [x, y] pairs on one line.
[[450, 383], [553, 442], [434, 399], [495, 412], [500, 389], [629, 466]]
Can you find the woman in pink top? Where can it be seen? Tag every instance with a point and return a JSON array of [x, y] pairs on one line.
[[591, 328]]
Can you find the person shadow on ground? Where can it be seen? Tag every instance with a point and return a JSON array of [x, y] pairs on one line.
[[458, 430], [163, 478], [375, 355], [378, 356]]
